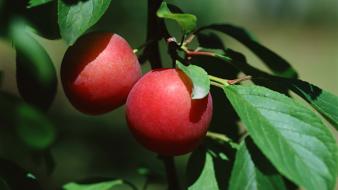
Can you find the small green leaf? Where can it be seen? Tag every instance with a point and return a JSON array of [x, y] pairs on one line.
[[24, 43], [75, 19], [34, 3], [30, 175], [246, 175], [143, 171], [199, 78], [209, 166], [275, 62], [201, 164], [35, 130], [32, 126], [34, 68], [289, 134], [186, 21], [108, 185]]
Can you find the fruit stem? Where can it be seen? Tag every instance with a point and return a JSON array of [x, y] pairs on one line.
[[223, 82], [235, 81], [190, 53], [188, 40], [182, 40], [216, 84], [218, 136], [222, 138], [219, 80], [172, 179]]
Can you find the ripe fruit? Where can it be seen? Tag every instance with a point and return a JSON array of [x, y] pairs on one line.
[[163, 117], [98, 71]]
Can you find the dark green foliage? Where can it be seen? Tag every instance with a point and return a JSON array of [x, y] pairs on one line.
[[252, 170], [276, 63], [34, 3], [14, 177], [289, 134], [265, 139], [30, 125], [76, 17], [187, 22], [35, 72], [199, 78], [99, 183], [209, 166], [43, 19]]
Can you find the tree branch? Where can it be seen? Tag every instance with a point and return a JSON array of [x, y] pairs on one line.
[[152, 52], [172, 179]]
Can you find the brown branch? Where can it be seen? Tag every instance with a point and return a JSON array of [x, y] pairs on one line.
[[235, 81], [152, 52], [194, 53], [172, 179]]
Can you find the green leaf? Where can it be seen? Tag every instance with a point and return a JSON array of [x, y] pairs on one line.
[[290, 135], [186, 21], [275, 62], [34, 68], [34, 129], [209, 166], [97, 186], [219, 52], [247, 175], [32, 126], [34, 3], [201, 164], [143, 171], [30, 48], [323, 101], [75, 19], [199, 78]]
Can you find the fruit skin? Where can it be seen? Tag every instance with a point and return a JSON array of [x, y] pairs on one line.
[[98, 71], [163, 117]]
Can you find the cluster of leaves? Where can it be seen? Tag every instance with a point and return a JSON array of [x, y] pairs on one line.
[[286, 143]]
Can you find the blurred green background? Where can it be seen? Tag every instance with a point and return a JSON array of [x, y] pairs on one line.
[[304, 32]]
